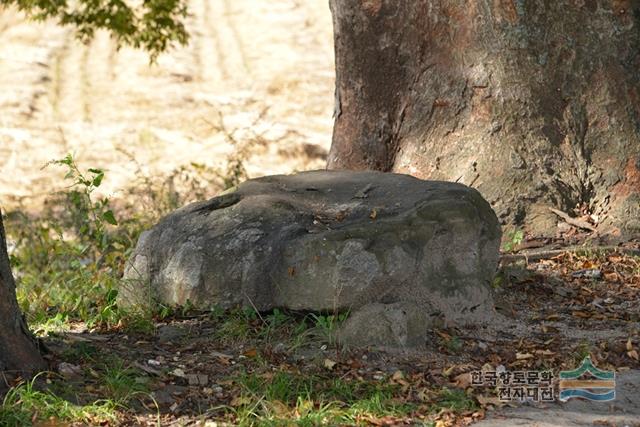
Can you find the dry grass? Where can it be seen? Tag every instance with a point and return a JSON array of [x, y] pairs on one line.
[[266, 67]]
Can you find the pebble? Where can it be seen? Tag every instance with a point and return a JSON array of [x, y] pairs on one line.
[[197, 379], [280, 348], [69, 370], [591, 273]]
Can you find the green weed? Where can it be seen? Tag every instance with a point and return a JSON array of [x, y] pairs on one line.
[[512, 239], [24, 404], [327, 326], [121, 382], [58, 401], [245, 324], [88, 216], [79, 352], [281, 325], [290, 398], [43, 326], [68, 261], [455, 400], [453, 344]]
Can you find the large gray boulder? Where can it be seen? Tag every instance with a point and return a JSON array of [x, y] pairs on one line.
[[392, 247]]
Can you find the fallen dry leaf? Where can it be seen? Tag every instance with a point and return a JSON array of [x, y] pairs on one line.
[[615, 258], [240, 401], [280, 408], [443, 335], [485, 401], [426, 395], [581, 314], [524, 356], [463, 380], [252, 352], [329, 364], [397, 375], [178, 373]]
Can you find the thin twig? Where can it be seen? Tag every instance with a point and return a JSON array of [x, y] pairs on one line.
[[549, 253], [573, 221], [255, 309]]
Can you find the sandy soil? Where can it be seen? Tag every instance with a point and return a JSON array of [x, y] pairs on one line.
[[266, 68]]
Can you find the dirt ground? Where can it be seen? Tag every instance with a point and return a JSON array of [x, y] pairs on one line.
[[267, 66], [551, 315]]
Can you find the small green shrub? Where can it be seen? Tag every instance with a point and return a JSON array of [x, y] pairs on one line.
[[513, 239], [68, 261], [327, 325]]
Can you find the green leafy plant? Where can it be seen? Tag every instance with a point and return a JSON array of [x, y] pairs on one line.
[[69, 260], [454, 345], [274, 322], [327, 325], [513, 239], [237, 324], [216, 313], [151, 25], [88, 216], [499, 280], [48, 325]]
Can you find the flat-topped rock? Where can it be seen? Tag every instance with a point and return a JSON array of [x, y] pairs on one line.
[[389, 244]]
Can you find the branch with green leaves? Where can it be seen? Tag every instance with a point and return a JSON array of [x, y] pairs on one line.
[[153, 25]]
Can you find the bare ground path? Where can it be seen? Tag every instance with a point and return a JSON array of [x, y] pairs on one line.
[[264, 65]]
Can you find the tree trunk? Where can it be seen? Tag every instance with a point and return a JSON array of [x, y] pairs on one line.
[[19, 353], [534, 103]]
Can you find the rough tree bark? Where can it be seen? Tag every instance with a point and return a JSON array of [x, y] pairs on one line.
[[534, 103], [19, 353]]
